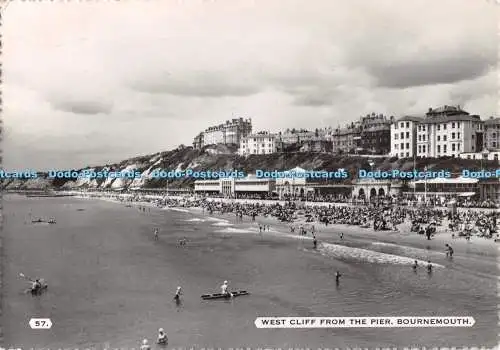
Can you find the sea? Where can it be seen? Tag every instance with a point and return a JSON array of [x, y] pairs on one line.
[[111, 284]]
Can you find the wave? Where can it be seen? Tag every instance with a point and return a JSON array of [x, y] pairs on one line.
[[178, 209], [343, 252], [222, 223], [233, 230], [407, 249], [217, 219], [195, 220]]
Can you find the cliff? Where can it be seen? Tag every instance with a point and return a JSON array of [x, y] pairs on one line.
[[224, 158]]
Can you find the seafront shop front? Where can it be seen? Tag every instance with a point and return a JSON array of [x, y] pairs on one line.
[[442, 190], [287, 187]]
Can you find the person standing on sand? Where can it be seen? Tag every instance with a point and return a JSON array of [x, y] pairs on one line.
[[315, 242], [342, 235], [337, 277]]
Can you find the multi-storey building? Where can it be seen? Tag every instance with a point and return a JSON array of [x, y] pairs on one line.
[[347, 140], [492, 134], [295, 136], [198, 141], [369, 135], [444, 131], [403, 136], [231, 132], [258, 143], [449, 131], [375, 135]]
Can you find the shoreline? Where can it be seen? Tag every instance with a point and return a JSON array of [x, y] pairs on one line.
[[329, 234]]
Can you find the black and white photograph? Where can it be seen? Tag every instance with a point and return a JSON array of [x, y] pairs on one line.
[[249, 174]]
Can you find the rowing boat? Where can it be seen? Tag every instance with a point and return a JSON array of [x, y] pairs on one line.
[[224, 296]]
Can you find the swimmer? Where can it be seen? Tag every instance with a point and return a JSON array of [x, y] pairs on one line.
[[145, 345], [162, 337], [449, 251]]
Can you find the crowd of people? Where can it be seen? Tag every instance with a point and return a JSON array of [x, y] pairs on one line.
[[379, 215]]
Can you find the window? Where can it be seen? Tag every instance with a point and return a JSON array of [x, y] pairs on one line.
[[407, 124], [494, 144], [402, 135], [402, 125], [439, 138], [407, 135], [439, 127], [420, 137], [444, 126], [396, 136], [423, 127], [423, 148], [445, 138], [396, 146], [444, 149], [407, 154], [419, 149], [458, 135], [423, 137], [419, 128], [402, 154], [453, 125], [439, 149], [407, 146], [494, 135], [458, 124], [453, 136], [453, 147], [458, 146], [402, 146]]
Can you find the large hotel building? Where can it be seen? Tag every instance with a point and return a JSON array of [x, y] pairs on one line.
[[445, 131], [231, 132], [258, 143]]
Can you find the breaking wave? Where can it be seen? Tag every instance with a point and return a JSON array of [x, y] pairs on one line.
[[217, 219], [406, 249], [233, 230], [365, 255], [178, 209], [195, 220], [222, 223]]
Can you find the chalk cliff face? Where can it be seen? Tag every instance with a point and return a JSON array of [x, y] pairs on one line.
[[224, 158]]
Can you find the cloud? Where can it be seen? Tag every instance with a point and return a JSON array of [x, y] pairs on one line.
[[443, 70], [147, 76], [83, 107], [198, 84]]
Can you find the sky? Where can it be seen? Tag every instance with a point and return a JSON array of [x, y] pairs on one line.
[[92, 83]]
